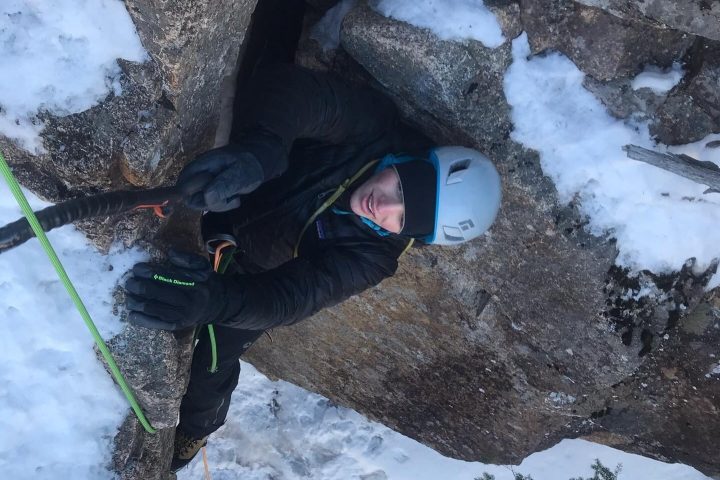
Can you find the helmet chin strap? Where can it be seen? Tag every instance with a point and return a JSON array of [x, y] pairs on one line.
[[330, 200], [377, 228], [391, 159]]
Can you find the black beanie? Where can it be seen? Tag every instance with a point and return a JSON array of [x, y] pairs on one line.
[[418, 181]]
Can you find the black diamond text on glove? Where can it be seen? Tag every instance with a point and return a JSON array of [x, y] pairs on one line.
[[181, 294], [233, 172]]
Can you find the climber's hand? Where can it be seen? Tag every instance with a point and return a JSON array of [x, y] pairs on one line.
[[180, 294], [230, 172]]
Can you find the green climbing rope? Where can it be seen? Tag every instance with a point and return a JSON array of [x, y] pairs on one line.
[[40, 234], [213, 349]]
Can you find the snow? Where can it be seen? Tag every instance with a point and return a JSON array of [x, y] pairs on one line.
[[702, 149], [59, 408], [277, 430], [327, 30], [657, 79], [560, 399], [448, 19], [59, 56], [714, 282], [659, 219]]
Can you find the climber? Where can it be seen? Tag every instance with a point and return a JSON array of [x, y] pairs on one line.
[[301, 243]]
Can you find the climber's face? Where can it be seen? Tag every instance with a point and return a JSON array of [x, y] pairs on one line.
[[380, 200]]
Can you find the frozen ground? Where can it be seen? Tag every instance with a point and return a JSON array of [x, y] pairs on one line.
[[276, 430], [59, 409]]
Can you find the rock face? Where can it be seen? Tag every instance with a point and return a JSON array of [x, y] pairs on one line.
[[504, 346], [699, 17], [450, 93], [692, 111], [114, 145], [669, 408], [155, 365], [167, 113], [601, 45], [194, 46], [687, 113], [613, 41]]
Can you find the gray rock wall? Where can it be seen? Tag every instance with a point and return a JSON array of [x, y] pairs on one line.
[[699, 17], [692, 111], [194, 46], [612, 47], [168, 111], [600, 44]]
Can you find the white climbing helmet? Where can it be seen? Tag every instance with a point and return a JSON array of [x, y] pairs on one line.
[[468, 195]]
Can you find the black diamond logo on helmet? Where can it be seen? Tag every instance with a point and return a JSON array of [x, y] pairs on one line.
[[467, 224]]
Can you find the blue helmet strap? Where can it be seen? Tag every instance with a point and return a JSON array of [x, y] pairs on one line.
[[391, 159], [377, 228]]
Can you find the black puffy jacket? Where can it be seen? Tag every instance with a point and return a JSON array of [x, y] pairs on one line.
[[310, 132]]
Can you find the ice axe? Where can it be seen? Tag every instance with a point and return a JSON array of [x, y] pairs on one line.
[[160, 200]]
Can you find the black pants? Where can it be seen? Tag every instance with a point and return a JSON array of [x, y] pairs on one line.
[[273, 38], [207, 400]]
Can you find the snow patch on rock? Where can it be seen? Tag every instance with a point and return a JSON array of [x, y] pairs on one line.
[[327, 30], [659, 80], [59, 56], [448, 19], [659, 219]]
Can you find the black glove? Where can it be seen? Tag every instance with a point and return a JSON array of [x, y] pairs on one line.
[[174, 296], [232, 171]]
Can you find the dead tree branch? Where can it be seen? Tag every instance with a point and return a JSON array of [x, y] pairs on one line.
[[706, 173]]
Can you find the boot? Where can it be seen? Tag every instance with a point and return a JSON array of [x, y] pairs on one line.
[[185, 449]]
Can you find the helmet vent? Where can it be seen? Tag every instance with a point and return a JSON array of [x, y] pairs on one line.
[[459, 166], [453, 234]]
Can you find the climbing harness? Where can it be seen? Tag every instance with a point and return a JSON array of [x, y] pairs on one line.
[[220, 265], [217, 240], [221, 261], [222, 247]]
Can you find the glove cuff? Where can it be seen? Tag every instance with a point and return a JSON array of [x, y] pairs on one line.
[[224, 295]]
